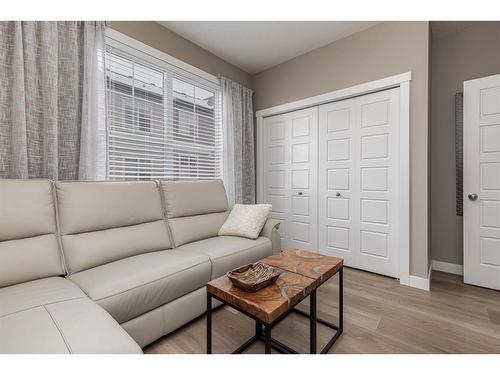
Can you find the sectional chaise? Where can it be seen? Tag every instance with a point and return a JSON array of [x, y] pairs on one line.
[[109, 267]]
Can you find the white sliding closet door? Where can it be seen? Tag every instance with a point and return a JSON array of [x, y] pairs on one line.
[[290, 175], [358, 181]]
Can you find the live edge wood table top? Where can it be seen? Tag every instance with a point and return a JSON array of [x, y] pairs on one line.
[[306, 263], [303, 272]]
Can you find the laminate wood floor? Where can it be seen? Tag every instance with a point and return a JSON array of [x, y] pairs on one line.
[[380, 316]]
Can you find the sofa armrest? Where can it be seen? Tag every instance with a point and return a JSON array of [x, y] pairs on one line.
[[270, 230]]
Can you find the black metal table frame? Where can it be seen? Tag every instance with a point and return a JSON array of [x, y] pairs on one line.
[[263, 329]]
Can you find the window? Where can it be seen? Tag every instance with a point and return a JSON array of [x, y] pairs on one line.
[[162, 122]]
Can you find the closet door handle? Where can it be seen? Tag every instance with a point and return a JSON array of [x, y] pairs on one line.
[[299, 193], [338, 194]]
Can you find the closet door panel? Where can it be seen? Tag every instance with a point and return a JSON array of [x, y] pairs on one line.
[[291, 175], [378, 195], [277, 171], [336, 178], [303, 168]]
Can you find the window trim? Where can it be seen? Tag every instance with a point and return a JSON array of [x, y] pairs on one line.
[[154, 56]]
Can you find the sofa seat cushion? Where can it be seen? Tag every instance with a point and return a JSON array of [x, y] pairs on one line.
[[229, 252], [54, 316], [133, 286], [37, 293]]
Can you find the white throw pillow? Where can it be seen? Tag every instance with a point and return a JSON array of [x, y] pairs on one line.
[[246, 220]]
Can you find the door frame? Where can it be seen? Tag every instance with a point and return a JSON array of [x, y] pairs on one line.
[[403, 82]]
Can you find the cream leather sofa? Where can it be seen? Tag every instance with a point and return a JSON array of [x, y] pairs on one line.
[[109, 267]]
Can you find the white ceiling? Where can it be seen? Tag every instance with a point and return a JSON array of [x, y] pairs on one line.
[[254, 46]]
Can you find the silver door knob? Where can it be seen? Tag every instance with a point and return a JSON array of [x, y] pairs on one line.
[[472, 196], [338, 194]]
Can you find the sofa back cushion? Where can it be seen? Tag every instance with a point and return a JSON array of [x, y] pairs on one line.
[[101, 222], [195, 209], [29, 248]]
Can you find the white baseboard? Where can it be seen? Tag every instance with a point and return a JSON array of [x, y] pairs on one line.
[[422, 282], [456, 269]]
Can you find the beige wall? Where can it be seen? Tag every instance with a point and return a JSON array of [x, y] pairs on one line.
[[383, 50], [460, 52], [157, 36]]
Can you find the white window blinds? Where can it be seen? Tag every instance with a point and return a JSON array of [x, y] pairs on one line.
[[162, 122]]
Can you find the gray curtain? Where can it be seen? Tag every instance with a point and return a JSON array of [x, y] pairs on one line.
[[239, 162], [52, 107]]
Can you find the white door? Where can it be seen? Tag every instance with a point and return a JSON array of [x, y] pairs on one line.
[[290, 175], [482, 182], [358, 181]]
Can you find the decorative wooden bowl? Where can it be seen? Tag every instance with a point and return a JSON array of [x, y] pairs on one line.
[[253, 277]]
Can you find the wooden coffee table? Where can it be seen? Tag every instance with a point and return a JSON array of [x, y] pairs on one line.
[[303, 273]]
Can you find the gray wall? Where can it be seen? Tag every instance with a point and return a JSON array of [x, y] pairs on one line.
[[157, 36], [460, 51], [383, 50]]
